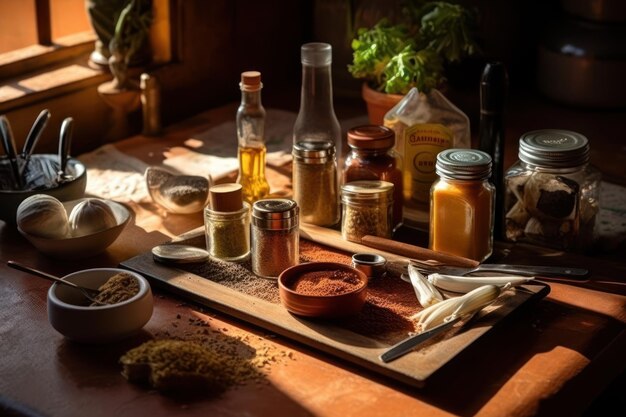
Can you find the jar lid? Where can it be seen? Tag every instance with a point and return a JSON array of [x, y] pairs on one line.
[[313, 152], [367, 191], [226, 197], [250, 81], [371, 137], [463, 164], [316, 54], [274, 208], [554, 148]]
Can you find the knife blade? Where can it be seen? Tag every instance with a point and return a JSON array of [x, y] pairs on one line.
[[403, 347]]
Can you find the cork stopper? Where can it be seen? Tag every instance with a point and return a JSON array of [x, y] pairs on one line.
[[226, 197], [250, 81]]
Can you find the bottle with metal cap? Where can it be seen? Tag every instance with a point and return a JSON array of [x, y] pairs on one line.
[[275, 238], [371, 157], [552, 192], [315, 182], [462, 204], [227, 223], [367, 209], [316, 121]]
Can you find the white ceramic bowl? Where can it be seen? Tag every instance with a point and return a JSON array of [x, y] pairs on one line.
[[68, 314], [82, 246]]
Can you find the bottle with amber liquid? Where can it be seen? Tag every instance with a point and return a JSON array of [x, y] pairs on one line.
[[250, 135]]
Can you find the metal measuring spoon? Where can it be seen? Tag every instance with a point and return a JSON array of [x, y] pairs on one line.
[[89, 293], [33, 138], [65, 141], [8, 142]]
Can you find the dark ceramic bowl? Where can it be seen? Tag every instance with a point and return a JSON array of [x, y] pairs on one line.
[[70, 190], [324, 306]]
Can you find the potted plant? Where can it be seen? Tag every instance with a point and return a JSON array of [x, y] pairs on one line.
[[391, 58]]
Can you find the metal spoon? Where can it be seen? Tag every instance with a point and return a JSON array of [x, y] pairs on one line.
[[65, 140], [8, 142], [89, 293], [33, 138]]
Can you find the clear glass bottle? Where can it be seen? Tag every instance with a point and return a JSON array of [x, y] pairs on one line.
[[316, 121], [552, 192], [462, 204], [275, 237], [315, 182], [250, 135], [367, 209], [227, 223], [371, 157]]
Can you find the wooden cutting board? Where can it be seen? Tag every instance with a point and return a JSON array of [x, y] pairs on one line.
[[332, 337]]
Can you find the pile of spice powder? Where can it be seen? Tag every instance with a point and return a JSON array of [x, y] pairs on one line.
[[330, 282], [119, 287]]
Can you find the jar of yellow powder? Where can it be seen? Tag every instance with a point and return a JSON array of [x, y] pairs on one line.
[[462, 204]]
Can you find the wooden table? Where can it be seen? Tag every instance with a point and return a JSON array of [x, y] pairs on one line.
[[553, 359]]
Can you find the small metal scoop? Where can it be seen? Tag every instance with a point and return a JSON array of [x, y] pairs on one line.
[[371, 264]]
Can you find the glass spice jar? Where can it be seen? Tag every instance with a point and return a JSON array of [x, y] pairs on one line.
[[462, 204], [315, 182], [552, 192], [275, 237], [371, 157], [367, 209], [227, 223]]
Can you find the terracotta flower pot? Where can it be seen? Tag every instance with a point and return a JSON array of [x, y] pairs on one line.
[[378, 104]]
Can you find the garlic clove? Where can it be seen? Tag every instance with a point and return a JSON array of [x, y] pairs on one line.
[[90, 216], [44, 216]]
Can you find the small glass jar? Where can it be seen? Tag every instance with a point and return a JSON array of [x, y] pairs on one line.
[[315, 182], [462, 204], [227, 223], [371, 157], [367, 209], [552, 193], [275, 237]]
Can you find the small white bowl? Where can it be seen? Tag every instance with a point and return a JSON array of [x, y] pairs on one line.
[[69, 315], [82, 246]]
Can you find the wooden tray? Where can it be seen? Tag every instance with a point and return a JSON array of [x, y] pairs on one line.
[[332, 337]]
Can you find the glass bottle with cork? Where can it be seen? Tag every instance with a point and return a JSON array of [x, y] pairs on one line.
[[462, 204], [371, 157], [316, 121], [250, 135], [227, 223]]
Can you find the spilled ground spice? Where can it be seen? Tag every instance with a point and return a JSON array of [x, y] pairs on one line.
[[331, 282]]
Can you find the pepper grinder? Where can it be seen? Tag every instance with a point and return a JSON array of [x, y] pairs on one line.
[[493, 91]]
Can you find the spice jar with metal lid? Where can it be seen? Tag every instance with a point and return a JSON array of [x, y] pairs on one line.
[[275, 238], [371, 157], [315, 182], [552, 192], [367, 209], [227, 223], [462, 204]]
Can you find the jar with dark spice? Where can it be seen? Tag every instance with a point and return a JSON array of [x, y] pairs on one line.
[[371, 157], [275, 238], [552, 193], [367, 209], [315, 182], [227, 223]]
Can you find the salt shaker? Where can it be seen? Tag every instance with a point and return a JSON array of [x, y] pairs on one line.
[[275, 238], [227, 223]]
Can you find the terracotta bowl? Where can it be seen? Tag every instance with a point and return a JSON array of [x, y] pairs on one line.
[[69, 315], [325, 306]]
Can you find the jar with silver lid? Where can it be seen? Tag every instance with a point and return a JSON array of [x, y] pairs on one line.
[[552, 193], [275, 238], [367, 209], [315, 182]]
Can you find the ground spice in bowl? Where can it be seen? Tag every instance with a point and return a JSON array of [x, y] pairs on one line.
[[327, 283], [120, 287]]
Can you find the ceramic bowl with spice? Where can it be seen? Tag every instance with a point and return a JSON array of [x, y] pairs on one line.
[[322, 289], [127, 307]]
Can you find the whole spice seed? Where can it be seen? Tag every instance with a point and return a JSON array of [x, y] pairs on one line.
[[362, 220], [333, 282], [228, 239]]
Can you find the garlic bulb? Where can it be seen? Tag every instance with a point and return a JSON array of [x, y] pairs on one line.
[[44, 216], [90, 216]]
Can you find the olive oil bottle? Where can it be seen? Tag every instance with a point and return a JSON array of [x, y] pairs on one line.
[[250, 135]]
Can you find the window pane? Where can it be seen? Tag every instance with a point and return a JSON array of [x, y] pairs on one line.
[[17, 23], [68, 17]]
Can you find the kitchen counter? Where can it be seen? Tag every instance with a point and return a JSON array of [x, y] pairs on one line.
[[554, 358]]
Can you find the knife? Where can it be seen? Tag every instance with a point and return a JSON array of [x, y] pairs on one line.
[[403, 347]]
